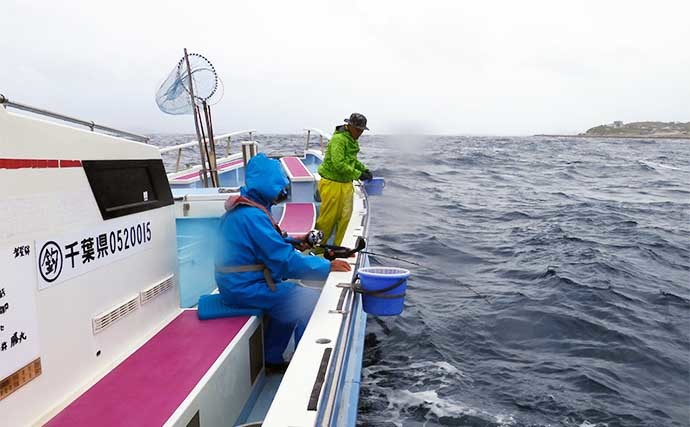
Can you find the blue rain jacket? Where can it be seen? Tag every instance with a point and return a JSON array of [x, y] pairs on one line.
[[247, 236]]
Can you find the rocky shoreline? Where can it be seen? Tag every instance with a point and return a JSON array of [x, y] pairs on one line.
[[616, 136], [636, 130]]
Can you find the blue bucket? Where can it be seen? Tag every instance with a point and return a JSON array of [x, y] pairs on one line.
[[383, 289], [374, 186]]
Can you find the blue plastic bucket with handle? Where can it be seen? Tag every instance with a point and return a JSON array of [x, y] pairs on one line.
[[374, 186], [383, 289]]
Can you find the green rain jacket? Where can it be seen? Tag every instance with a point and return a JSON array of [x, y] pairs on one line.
[[340, 162]]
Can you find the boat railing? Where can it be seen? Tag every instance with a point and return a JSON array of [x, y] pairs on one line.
[[334, 377], [322, 135], [5, 102], [227, 137]]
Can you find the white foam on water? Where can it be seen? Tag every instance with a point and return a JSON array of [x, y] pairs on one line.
[[662, 166], [440, 366], [419, 395], [438, 407]]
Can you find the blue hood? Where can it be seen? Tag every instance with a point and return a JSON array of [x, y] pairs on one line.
[[264, 179]]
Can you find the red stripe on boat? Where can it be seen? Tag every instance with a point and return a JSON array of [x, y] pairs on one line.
[[147, 387], [37, 163], [296, 167], [14, 163], [70, 163]]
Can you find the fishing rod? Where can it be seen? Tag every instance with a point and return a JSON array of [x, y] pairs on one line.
[[485, 297], [332, 252]]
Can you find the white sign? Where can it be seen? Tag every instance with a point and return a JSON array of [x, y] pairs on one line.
[[63, 257], [18, 325]]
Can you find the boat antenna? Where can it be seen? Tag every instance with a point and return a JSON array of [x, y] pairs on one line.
[[485, 297]]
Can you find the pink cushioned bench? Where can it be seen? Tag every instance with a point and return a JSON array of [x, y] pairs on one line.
[[301, 180], [147, 387], [193, 176], [296, 170], [298, 219]]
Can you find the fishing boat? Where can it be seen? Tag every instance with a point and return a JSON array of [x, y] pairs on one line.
[[104, 256]]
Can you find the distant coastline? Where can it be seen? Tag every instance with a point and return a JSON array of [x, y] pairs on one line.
[[582, 135], [635, 130]]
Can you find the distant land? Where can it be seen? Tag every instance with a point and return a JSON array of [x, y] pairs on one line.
[[618, 129]]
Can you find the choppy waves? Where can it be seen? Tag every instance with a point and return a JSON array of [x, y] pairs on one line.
[[584, 248]]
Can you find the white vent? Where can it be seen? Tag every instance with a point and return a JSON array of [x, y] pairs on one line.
[[111, 316], [148, 294]]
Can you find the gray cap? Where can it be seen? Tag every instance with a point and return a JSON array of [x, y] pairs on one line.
[[358, 121]]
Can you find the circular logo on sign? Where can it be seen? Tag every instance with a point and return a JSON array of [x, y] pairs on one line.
[[50, 261]]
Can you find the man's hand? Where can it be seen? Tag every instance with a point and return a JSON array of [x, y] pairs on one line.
[[340, 265], [366, 175]]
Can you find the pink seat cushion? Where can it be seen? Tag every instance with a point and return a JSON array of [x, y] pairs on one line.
[[298, 218], [221, 167], [296, 167], [147, 387]]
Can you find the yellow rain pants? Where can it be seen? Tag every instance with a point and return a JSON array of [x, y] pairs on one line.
[[336, 208]]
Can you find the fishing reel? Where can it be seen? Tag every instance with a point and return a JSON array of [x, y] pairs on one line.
[[331, 252], [312, 239], [315, 240]]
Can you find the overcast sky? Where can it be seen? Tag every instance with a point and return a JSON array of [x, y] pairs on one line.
[[438, 67]]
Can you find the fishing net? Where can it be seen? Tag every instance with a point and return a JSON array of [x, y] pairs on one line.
[[173, 96]]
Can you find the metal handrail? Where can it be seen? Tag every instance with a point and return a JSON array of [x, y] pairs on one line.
[[91, 125], [321, 134], [194, 143], [327, 411]]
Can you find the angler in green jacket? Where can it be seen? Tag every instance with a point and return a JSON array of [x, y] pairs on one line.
[[339, 168]]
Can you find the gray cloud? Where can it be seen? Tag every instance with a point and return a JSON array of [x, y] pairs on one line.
[[437, 67]]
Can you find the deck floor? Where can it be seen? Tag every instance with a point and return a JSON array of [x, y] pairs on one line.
[[263, 399]]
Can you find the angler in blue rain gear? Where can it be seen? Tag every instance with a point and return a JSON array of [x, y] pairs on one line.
[[252, 259]]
